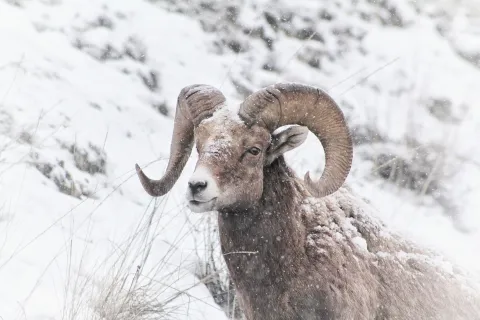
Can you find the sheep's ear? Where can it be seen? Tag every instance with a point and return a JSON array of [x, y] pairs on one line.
[[286, 140]]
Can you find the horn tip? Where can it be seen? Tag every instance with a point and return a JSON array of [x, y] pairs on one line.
[[144, 181], [140, 173], [310, 185], [313, 188]]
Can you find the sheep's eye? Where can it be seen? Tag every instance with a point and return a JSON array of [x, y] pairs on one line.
[[255, 151]]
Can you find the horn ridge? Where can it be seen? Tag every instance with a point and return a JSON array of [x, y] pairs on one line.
[[194, 104], [293, 103]]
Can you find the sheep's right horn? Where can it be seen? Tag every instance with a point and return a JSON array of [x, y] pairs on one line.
[[291, 103], [195, 103]]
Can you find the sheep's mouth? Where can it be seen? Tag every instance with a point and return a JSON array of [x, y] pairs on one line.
[[198, 202], [202, 206]]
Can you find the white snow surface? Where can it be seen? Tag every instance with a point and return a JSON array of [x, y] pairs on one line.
[[84, 81]]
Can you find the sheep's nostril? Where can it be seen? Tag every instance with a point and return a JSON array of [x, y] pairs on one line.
[[197, 186]]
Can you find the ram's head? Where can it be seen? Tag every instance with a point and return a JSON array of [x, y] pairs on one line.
[[236, 143]]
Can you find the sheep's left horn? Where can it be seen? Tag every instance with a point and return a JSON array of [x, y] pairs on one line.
[[290, 103], [195, 103]]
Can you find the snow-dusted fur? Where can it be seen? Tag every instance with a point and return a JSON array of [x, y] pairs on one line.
[[297, 257]]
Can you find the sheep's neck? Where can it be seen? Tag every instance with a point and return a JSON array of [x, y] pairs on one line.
[[264, 247]]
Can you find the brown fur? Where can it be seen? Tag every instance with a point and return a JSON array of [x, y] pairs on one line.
[[224, 152], [302, 270]]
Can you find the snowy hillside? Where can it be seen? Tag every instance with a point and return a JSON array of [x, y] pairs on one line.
[[88, 91]]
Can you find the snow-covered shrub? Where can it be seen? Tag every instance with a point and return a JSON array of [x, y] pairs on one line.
[[135, 49], [366, 134], [459, 24], [62, 178], [424, 170], [412, 172], [91, 160], [150, 80], [444, 110], [72, 179], [162, 108]]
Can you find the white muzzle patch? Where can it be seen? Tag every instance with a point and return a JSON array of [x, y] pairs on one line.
[[202, 191]]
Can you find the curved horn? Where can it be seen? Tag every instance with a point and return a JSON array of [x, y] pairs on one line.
[[194, 103], [292, 103]]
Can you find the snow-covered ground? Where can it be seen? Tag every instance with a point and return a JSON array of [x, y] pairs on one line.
[[88, 91]]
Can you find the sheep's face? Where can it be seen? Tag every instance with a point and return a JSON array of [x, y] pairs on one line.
[[231, 158]]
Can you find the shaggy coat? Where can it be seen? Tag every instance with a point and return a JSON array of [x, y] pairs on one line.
[[295, 257]]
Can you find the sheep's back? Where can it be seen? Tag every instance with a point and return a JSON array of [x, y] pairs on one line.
[[375, 271]]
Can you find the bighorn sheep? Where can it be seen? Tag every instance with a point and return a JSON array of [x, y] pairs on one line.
[[316, 251]]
